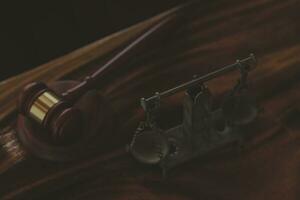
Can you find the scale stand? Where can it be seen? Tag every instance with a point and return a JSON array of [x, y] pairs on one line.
[[203, 129]]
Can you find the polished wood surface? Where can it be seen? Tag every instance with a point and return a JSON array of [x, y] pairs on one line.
[[216, 34]]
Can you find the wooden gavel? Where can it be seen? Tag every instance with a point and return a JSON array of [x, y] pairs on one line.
[[56, 112]]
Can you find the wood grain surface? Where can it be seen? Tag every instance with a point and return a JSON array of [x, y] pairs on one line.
[[216, 34]]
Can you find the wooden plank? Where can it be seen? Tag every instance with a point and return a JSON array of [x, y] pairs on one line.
[[216, 35], [71, 62]]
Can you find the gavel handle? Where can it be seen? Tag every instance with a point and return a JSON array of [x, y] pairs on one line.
[[156, 32]]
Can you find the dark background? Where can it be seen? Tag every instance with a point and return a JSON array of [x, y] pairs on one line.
[[33, 32]]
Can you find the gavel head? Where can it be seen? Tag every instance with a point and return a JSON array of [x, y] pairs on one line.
[[51, 111]]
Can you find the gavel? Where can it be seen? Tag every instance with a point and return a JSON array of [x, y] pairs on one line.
[[56, 112]]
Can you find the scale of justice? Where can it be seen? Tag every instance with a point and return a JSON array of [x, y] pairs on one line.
[[203, 128]]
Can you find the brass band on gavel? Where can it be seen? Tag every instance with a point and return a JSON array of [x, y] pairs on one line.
[[42, 105]]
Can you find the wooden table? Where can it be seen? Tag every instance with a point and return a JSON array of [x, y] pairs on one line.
[[216, 33]]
